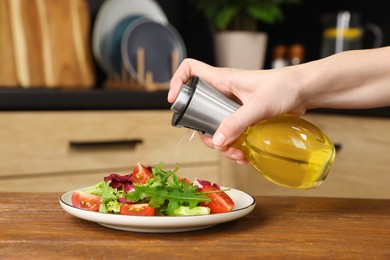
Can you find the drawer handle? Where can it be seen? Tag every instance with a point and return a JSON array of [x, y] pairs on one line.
[[132, 143]]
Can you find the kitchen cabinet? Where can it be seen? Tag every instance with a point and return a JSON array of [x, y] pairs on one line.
[[64, 150], [361, 168], [47, 151]]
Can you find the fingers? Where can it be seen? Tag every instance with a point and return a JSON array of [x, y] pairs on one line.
[[231, 153], [235, 155], [187, 69], [216, 77]]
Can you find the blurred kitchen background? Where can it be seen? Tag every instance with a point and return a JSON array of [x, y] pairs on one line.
[[76, 104], [302, 26]]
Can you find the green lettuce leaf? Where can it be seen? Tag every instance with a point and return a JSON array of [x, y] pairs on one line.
[[108, 195], [187, 211]]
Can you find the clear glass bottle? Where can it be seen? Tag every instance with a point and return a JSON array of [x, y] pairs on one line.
[[286, 150]]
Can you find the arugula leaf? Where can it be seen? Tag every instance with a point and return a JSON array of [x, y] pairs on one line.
[[167, 192]]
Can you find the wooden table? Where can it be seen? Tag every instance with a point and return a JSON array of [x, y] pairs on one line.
[[34, 226]]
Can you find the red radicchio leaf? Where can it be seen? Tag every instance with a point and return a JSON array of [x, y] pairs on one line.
[[123, 200], [203, 183], [117, 177], [116, 184], [128, 187], [217, 186], [119, 181]]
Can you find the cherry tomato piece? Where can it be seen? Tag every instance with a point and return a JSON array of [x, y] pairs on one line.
[[84, 200], [137, 210], [220, 201], [185, 180], [141, 174]]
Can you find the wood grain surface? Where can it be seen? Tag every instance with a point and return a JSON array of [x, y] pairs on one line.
[[33, 225], [8, 77], [47, 43]]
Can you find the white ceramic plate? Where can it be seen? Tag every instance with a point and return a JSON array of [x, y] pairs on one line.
[[244, 204], [109, 15], [158, 41]]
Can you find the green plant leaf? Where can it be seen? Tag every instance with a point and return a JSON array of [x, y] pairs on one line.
[[241, 14], [224, 17], [267, 13]]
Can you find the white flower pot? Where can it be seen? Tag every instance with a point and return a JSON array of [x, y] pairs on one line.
[[240, 49]]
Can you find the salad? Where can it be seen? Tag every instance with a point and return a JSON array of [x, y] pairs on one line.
[[153, 191]]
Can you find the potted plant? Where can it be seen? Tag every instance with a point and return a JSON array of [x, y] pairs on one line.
[[238, 42]]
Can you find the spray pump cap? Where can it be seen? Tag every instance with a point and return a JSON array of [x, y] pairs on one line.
[[201, 107]]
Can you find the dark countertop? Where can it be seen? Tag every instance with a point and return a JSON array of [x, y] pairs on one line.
[[17, 99]]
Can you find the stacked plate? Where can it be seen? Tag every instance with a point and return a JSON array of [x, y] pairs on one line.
[[124, 26]]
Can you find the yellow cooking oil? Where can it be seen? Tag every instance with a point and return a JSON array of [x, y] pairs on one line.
[[288, 151]]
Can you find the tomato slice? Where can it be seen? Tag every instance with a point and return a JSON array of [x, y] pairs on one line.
[[220, 201], [84, 200], [137, 210], [141, 174], [185, 180]]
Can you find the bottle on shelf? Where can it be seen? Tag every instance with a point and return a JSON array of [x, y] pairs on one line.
[[279, 54], [286, 150], [296, 54]]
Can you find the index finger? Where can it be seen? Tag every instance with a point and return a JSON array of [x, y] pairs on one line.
[[187, 69]]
